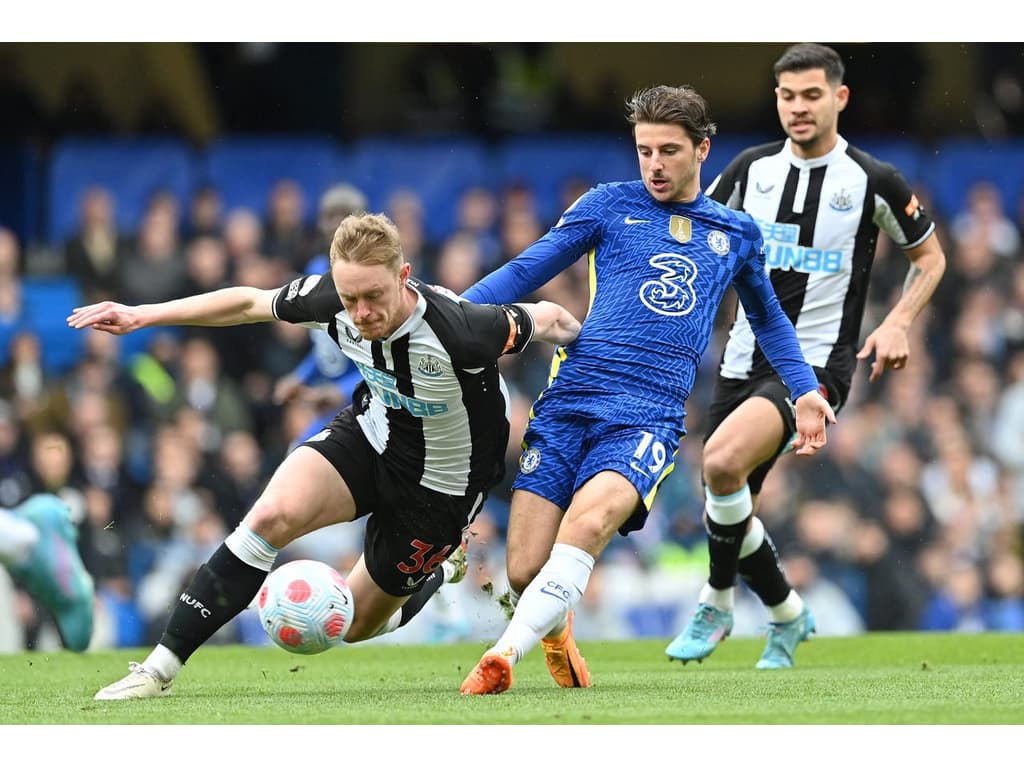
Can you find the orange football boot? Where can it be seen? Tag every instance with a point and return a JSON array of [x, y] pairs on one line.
[[565, 663]]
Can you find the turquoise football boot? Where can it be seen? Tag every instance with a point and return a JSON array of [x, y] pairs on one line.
[[706, 629], [783, 638], [54, 573]]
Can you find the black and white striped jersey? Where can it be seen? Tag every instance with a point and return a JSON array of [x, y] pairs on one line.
[[432, 402], [820, 220]]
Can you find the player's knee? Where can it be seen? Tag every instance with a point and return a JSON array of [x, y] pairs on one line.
[[275, 521], [723, 468], [521, 573]]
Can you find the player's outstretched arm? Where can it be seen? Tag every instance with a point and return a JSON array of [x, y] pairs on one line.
[[552, 322], [227, 306], [890, 342], [813, 414]]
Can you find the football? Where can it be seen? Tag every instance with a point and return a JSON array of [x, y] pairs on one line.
[[306, 607]]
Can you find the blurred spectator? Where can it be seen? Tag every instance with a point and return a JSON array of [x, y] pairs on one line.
[[406, 210], [54, 470], [96, 253], [1003, 606], [239, 478], [1012, 320], [11, 307], [207, 265], [985, 221], [894, 595], [15, 472], [520, 227], [205, 214], [243, 236], [202, 385], [956, 603], [460, 262], [156, 269], [1008, 433], [285, 235], [24, 384], [962, 488], [476, 215]]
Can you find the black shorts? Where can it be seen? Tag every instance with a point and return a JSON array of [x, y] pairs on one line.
[[729, 393], [410, 530]]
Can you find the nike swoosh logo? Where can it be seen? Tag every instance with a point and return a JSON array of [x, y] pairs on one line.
[[411, 582], [633, 464], [631, 220]]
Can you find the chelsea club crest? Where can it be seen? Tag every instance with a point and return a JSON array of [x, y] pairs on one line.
[[529, 461], [719, 242]]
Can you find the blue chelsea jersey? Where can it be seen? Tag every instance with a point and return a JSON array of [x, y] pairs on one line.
[[658, 273]]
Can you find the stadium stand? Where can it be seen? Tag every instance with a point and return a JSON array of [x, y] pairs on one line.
[[438, 170], [244, 169], [132, 169]]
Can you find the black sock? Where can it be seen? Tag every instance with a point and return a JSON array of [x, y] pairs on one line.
[[415, 604], [222, 587], [724, 542], [762, 572]]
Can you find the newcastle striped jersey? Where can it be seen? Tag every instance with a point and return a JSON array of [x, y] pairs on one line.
[[820, 220], [432, 402]]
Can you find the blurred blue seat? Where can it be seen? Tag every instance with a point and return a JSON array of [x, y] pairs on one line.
[[244, 169], [545, 164], [438, 170], [958, 163], [46, 303], [652, 619], [21, 170], [131, 169], [907, 155]]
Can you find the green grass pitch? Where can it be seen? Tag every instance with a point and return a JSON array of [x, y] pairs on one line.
[[874, 679]]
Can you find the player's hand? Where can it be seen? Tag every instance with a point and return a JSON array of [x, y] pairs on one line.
[[287, 387], [108, 316], [890, 346], [813, 414]]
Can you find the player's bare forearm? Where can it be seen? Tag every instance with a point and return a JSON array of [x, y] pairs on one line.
[[228, 306], [927, 265], [890, 341], [553, 323]]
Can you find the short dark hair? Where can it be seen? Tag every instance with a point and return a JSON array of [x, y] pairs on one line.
[[676, 105], [804, 56]]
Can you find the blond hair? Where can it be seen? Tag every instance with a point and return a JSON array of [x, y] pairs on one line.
[[367, 238]]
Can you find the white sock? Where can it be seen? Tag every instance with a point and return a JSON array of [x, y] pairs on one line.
[[547, 600], [250, 548], [753, 540], [731, 509], [394, 622], [722, 599], [788, 609], [163, 661], [18, 537]]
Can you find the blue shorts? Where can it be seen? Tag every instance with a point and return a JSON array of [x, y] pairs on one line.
[[568, 441]]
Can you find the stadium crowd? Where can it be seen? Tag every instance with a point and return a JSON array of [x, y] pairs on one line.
[[911, 519]]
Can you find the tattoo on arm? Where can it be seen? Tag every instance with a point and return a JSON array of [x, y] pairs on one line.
[[912, 274], [918, 288]]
